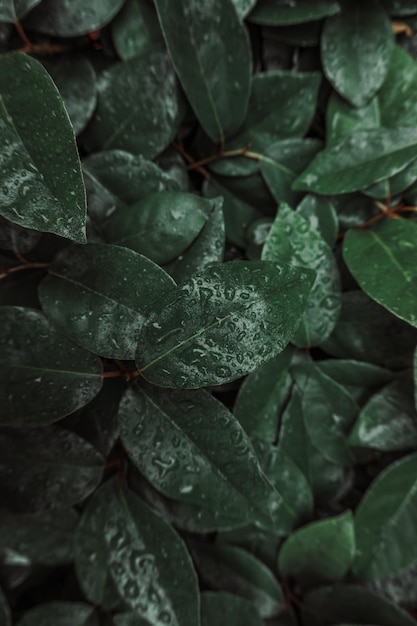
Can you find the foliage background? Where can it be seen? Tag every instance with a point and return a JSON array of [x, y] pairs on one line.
[[208, 311]]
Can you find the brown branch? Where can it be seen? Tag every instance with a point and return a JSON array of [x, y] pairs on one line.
[[224, 154], [25, 266]]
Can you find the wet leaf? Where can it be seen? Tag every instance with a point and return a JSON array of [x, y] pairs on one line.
[[292, 240], [142, 125], [210, 50], [223, 607], [191, 448], [397, 97], [93, 295], [136, 31], [61, 614], [47, 468], [222, 324], [63, 19], [384, 522], [321, 214], [282, 12], [37, 362], [140, 553], [40, 181], [359, 160], [356, 48], [321, 552], [243, 7], [383, 262]]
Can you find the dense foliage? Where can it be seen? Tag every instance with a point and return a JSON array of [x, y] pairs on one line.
[[207, 402]]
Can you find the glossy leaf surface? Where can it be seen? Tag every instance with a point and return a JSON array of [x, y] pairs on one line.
[[182, 441], [321, 552], [70, 19], [61, 614], [281, 12], [136, 30], [292, 240], [222, 324], [140, 553], [384, 264], [210, 51], [40, 181], [37, 362], [115, 283], [219, 607]]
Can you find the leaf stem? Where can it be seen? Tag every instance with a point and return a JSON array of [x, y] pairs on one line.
[[224, 154], [24, 266]]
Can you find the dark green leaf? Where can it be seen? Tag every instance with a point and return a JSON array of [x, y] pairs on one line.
[[42, 538], [359, 160], [191, 448], [93, 295], [5, 615], [389, 420], [70, 19], [400, 587], [356, 48], [207, 248], [14, 237], [222, 324], [44, 468], [61, 614], [142, 125], [263, 395], [400, 7], [211, 54], [223, 608], [44, 377], [40, 180], [292, 240], [344, 119], [351, 603], [229, 568], [321, 552], [76, 82], [282, 162], [122, 540], [398, 95], [383, 262], [354, 373], [280, 12], [321, 215], [243, 7], [136, 31], [11, 10], [385, 522], [161, 226]]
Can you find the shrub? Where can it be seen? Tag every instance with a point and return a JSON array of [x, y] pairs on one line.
[[207, 403]]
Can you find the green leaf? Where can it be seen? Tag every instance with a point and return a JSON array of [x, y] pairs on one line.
[[224, 608], [40, 179], [222, 324], [397, 96], [41, 538], [400, 7], [243, 7], [263, 395], [161, 226], [211, 54], [237, 213], [76, 82], [191, 448], [385, 522], [43, 468], [354, 373], [144, 125], [321, 552], [335, 604], [63, 19], [364, 332], [229, 568], [120, 539], [383, 262], [14, 237], [92, 295], [207, 248], [281, 12], [359, 160], [61, 614], [343, 119], [5, 615], [11, 10], [282, 162], [292, 240], [389, 420], [44, 377], [136, 31], [321, 214], [356, 48]]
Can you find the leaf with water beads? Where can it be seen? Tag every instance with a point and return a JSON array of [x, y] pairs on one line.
[[44, 376], [223, 323]]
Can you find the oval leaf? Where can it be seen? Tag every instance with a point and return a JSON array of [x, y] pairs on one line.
[[100, 295], [283, 12], [223, 608], [41, 186], [211, 54], [44, 377], [222, 324], [61, 614]]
